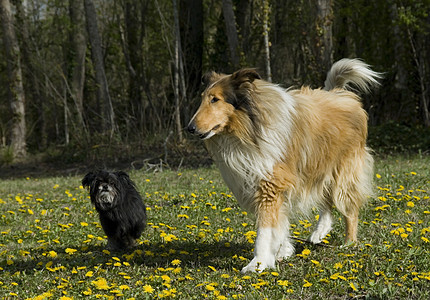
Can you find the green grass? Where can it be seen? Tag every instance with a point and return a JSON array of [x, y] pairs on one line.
[[197, 240]]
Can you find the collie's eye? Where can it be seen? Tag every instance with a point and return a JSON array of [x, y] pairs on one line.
[[214, 99]]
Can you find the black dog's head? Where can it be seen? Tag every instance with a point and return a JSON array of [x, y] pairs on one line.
[[106, 188]]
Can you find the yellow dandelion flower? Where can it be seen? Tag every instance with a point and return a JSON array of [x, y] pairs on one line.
[[148, 289], [212, 268], [305, 253], [325, 280], [283, 282], [70, 251], [88, 292], [351, 284], [124, 287], [338, 266], [176, 262], [52, 254], [307, 283], [101, 284]]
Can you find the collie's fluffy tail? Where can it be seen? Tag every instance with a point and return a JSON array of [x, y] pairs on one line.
[[355, 71]]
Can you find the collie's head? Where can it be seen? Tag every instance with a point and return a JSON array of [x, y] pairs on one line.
[[228, 104]]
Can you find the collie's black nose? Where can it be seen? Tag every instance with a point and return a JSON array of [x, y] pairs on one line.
[[191, 127]]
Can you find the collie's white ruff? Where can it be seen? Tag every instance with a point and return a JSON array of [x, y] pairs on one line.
[[286, 151]]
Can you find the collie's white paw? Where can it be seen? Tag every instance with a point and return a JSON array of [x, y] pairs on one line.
[[323, 227], [285, 251], [258, 265], [316, 237]]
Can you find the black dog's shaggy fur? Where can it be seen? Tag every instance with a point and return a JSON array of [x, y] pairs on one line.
[[120, 207]]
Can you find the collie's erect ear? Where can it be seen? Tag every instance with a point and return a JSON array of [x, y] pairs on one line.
[[244, 75], [88, 179], [209, 77]]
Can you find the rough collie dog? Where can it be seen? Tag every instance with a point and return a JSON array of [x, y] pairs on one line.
[[121, 210], [286, 151]]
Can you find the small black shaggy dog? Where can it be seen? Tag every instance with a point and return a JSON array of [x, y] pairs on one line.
[[120, 207]]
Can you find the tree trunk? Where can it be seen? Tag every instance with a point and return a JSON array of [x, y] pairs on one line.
[[79, 45], [231, 31], [176, 76], [191, 25], [66, 118], [420, 63], [427, 67], [107, 112], [266, 11], [32, 85], [16, 89], [132, 47], [243, 20], [402, 103], [324, 36]]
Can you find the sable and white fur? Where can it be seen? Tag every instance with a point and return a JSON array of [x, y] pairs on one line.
[[286, 151]]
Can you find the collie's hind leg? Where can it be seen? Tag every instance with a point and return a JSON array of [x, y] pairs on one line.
[[324, 224], [351, 225], [352, 192], [348, 203]]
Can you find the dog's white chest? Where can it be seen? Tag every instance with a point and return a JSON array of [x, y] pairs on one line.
[[243, 189], [240, 170]]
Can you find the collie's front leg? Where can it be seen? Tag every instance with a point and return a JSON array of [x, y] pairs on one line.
[[264, 253], [270, 232]]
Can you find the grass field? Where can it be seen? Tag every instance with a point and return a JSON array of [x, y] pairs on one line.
[[197, 240]]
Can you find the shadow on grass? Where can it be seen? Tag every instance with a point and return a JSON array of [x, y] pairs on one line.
[[191, 255], [153, 255]]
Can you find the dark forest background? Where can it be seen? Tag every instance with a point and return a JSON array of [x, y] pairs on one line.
[[83, 80]]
